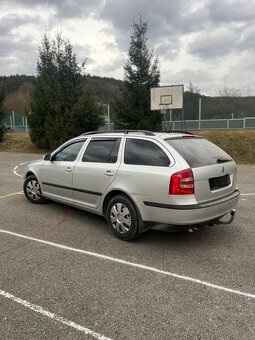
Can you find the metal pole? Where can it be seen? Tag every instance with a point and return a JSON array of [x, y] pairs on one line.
[[108, 117], [199, 114], [184, 127], [26, 124], [13, 120], [163, 122]]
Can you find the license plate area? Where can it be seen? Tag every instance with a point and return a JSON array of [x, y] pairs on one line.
[[219, 182]]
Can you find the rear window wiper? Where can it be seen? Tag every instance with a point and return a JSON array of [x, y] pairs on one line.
[[223, 160]]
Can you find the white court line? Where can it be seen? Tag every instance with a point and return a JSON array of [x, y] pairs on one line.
[[16, 167], [15, 193], [15, 172], [135, 265], [53, 316]]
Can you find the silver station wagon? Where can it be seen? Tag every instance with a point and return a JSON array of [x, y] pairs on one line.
[[137, 179]]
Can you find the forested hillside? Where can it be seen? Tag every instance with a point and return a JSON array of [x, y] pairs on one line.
[[218, 107], [104, 88], [18, 89]]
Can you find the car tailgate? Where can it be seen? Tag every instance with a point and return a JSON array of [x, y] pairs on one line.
[[214, 181], [213, 169]]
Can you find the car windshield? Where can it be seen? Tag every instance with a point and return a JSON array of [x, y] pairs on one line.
[[198, 151]]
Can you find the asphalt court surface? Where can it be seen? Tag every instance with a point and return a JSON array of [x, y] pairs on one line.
[[48, 291]]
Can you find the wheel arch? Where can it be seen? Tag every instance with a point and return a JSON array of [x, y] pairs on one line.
[[30, 173], [110, 195], [117, 192]]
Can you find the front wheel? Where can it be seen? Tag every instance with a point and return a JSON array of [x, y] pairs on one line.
[[122, 217], [32, 190]]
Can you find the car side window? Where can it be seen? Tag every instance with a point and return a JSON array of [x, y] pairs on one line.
[[102, 150], [143, 152], [70, 152]]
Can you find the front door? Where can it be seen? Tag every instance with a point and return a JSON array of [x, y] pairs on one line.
[[57, 174]]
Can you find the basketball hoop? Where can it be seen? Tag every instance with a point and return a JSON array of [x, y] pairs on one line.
[[167, 97]]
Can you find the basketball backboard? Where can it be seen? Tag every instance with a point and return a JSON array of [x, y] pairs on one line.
[[167, 97]]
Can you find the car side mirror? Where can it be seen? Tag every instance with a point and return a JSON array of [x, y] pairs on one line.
[[47, 157]]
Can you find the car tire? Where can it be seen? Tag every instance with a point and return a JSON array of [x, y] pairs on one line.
[[123, 218], [32, 190]]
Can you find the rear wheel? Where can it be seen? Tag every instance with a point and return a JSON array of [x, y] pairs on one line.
[[32, 190], [123, 218]]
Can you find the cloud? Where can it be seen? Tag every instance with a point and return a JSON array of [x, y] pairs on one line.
[[246, 39], [63, 8], [205, 41], [219, 42], [8, 22], [167, 19], [19, 54], [214, 43], [226, 11], [185, 76]]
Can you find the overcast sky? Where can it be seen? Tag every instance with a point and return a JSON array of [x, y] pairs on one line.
[[208, 42]]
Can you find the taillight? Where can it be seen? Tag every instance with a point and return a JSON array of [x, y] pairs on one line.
[[182, 183]]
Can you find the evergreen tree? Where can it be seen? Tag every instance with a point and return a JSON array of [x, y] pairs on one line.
[[2, 95], [57, 92], [58, 86], [87, 114], [141, 73]]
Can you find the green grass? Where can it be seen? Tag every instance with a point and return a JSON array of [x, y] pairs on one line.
[[19, 142], [240, 144]]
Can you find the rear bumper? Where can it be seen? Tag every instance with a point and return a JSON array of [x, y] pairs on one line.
[[189, 214]]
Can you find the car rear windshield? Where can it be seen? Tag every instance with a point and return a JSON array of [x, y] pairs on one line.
[[198, 151]]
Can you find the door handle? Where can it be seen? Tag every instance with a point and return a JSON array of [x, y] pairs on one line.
[[68, 170], [108, 173]]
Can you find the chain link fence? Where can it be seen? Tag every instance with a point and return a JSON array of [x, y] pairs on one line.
[[16, 122], [207, 124]]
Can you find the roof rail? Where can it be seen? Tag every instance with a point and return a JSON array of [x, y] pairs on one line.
[[146, 132], [180, 131]]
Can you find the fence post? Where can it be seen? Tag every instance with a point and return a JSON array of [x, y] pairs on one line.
[[26, 124], [199, 114], [108, 117], [244, 122], [13, 120]]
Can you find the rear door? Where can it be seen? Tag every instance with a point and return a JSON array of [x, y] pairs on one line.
[[145, 168], [213, 169], [95, 171]]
